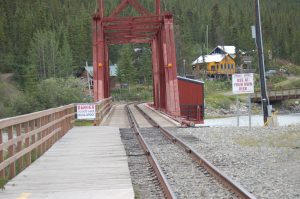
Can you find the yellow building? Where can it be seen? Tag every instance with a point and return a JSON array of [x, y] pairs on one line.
[[218, 63]]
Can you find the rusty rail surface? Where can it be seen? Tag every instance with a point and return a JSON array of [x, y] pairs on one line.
[[214, 171], [24, 138], [276, 95], [169, 193]]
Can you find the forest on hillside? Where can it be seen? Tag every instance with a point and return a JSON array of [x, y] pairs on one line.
[[52, 39], [62, 28]]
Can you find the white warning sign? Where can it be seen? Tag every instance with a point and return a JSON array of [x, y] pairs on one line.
[[242, 83], [86, 111]]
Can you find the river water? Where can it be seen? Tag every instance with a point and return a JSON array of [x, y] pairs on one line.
[[257, 120]]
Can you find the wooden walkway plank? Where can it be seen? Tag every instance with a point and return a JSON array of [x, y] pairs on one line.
[[88, 162]]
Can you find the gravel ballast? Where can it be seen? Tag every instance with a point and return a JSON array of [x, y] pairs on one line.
[[264, 161]]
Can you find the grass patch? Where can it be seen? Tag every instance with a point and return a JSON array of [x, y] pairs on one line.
[[84, 123], [248, 141], [219, 101], [217, 86], [291, 83], [289, 140], [137, 194], [3, 182]]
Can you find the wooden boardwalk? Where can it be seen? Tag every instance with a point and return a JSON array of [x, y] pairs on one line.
[[117, 117], [278, 95], [87, 163]]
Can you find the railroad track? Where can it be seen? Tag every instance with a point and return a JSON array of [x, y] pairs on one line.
[[181, 172]]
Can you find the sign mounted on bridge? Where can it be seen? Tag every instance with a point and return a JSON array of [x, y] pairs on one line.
[[242, 83], [86, 111]]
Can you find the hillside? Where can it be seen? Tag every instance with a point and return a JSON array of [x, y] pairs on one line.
[[67, 24]]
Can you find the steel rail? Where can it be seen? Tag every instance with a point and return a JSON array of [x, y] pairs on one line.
[[227, 182], [169, 193]]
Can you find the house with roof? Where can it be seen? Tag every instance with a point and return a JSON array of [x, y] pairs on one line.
[[217, 64], [86, 74], [230, 50]]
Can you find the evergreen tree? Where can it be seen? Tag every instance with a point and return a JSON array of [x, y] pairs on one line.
[[126, 72]]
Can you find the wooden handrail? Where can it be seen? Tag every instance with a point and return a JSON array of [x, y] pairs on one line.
[[102, 108], [26, 137], [32, 116]]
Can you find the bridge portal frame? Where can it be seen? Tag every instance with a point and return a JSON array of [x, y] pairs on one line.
[[156, 29]]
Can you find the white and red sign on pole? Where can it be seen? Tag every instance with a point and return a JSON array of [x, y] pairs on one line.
[[86, 111], [242, 83]]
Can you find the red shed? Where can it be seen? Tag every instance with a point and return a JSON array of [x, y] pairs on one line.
[[191, 98]]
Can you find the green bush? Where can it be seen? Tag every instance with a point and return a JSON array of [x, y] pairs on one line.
[[211, 87], [219, 101], [49, 93], [56, 92], [134, 93]]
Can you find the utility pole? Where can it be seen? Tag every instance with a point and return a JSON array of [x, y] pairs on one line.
[[260, 51], [207, 39]]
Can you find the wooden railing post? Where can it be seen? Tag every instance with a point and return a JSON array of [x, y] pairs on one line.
[[33, 153], [39, 137], [43, 134], [27, 143], [11, 152], [19, 147], [2, 173]]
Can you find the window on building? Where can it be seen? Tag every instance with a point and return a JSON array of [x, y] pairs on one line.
[[213, 68], [217, 66], [232, 66], [228, 66], [221, 66]]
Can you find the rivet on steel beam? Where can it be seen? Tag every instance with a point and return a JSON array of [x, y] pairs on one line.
[[100, 65], [170, 65]]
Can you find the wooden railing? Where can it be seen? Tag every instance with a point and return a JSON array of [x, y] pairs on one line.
[[24, 138], [275, 95], [102, 108]]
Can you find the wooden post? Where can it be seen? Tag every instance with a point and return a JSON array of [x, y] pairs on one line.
[[43, 134], [56, 126], [39, 137], [2, 173], [11, 152], [32, 127], [27, 144], [19, 147]]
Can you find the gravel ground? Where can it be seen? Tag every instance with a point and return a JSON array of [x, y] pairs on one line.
[[264, 161], [143, 178], [186, 177]]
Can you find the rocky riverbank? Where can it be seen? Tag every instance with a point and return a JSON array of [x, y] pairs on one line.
[[286, 107]]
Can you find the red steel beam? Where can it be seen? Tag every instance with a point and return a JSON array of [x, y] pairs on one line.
[[141, 9], [133, 30], [139, 18], [95, 77], [132, 34], [134, 23], [119, 8], [101, 8], [127, 41], [124, 28], [173, 105], [157, 7]]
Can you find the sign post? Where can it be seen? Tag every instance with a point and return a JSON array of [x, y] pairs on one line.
[[242, 84]]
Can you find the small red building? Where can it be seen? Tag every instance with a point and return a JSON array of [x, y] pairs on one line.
[[191, 98]]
